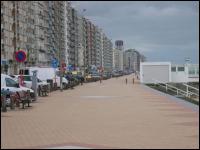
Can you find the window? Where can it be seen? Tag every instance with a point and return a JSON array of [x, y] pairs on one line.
[[10, 83], [173, 69], [191, 70], [181, 69], [26, 72]]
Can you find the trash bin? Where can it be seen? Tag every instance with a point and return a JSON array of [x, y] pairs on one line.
[[50, 81]]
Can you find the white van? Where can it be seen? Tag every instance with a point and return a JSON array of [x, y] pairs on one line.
[[45, 73], [27, 79], [9, 83]]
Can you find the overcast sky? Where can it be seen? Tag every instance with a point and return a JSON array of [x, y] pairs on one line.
[[162, 31]]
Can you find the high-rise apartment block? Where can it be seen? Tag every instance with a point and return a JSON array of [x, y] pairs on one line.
[[132, 59], [118, 55], [49, 30]]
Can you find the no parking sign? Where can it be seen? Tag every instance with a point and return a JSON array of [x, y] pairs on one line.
[[20, 56]]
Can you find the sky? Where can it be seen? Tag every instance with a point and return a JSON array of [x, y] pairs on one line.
[[161, 30]]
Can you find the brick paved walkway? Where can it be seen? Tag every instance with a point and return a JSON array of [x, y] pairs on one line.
[[107, 115]]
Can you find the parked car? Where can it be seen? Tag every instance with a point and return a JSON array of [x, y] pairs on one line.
[[68, 76], [8, 83], [88, 78], [78, 76], [27, 81], [45, 73], [95, 76], [115, 74], [106, 75]]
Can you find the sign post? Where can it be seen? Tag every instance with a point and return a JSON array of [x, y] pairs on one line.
[[54, 64], [34, 83]]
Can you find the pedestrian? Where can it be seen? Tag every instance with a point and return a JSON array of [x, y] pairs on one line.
[[126, 80], [100, 79], [133, 80], [81, 80]]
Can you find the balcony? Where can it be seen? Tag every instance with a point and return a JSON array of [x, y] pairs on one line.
[[41, 37], [41, 49]]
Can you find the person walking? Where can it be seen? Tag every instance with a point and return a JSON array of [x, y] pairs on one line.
[[82, 80], [133, 80], [126, 80]]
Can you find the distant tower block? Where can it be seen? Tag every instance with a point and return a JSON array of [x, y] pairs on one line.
[[119, 44]]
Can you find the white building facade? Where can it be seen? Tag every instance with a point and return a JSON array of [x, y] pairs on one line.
[[117, 59], [165, 72]]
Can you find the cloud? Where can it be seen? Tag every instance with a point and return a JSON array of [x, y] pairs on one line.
[[150, 27]]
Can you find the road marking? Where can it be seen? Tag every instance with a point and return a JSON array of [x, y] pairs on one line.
[[68, 147], [103, 97]]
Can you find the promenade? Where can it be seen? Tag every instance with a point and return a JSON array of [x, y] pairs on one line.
[[107, 115]]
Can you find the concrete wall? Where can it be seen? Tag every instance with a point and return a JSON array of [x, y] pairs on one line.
[[151, 71]]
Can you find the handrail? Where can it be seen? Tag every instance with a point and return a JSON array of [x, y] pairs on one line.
[[191, 87], [184, 93]]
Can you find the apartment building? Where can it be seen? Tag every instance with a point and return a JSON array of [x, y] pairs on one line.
[[48, 30], [72, 37], [98, 48], [56, 28], [107, 54], [81, 41], [118, 55], [132, 59], [117, 59], [17, 31], [37, 27]]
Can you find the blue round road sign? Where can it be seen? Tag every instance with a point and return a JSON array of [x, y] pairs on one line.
[[20, 56], [54, 63]]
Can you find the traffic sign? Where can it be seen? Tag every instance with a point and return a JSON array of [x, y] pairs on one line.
[[70, 67], [20, 56], [54, 63]]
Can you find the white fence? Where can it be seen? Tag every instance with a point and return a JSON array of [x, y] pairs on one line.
[[178, 91]]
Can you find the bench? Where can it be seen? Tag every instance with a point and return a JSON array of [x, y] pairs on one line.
[[25, 99], [43, 90], [7, 96], [13, 100]]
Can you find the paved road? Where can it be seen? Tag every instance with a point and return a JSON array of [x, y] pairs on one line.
[[107, 115]]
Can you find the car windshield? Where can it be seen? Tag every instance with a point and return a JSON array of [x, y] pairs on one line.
[[11, 82]]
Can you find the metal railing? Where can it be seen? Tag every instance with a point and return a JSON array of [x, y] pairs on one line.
[[178, 91], [193, 88]]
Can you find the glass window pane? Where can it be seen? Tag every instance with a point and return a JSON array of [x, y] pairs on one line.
[[191, 70], [27, 78], [173, 69], [197, 71], [26, 72], [10, 82], [181, 69]]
